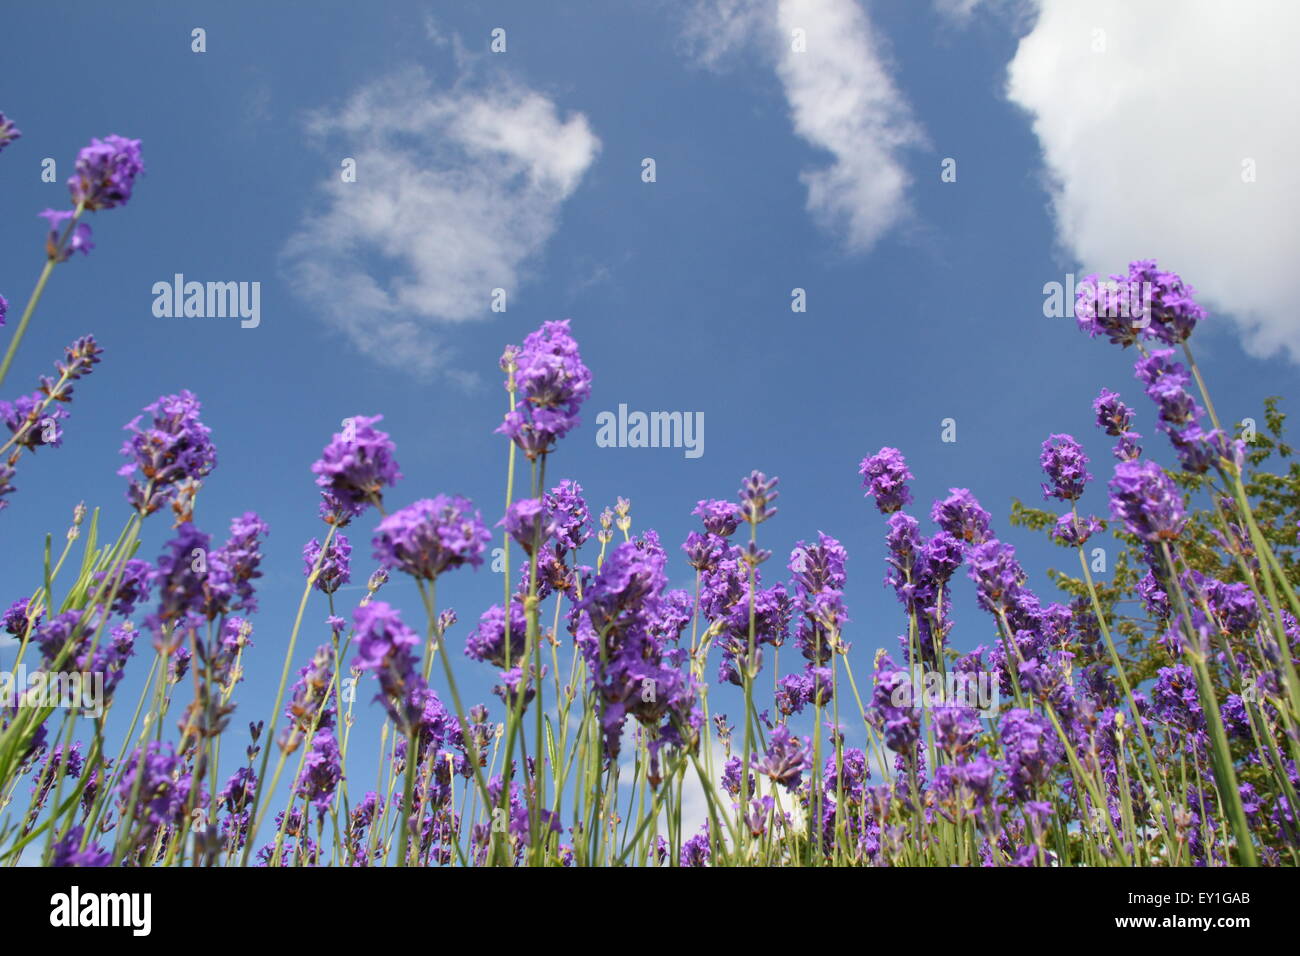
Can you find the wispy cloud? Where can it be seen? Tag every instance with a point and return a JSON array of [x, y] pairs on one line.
[[841, 96], [456, 191], [1148, 114]]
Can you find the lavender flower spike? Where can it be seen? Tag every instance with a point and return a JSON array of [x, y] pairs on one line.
[[1066, 466], [175, 448], [8, 131], [1147, 501], [105, 172], [432, 535], [354, 468], [885, 476]]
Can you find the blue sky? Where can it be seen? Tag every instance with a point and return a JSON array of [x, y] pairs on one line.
[[775, 170]]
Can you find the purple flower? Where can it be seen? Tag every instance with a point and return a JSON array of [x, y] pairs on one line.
[[487, 642], [34, 419], [321, 772], [1198, 450], [720, 518], [236, 798], [885, 476], [1127, 448], [1147, 501], [105, 172], [1116, 419], [234, 637], [697, 850], [552, 384], [132, 581], [796, 691], [703, 550], [528, 522], [354, 468], [569, 511], [15, 620], [1073, 530], [516, 692], [431, 536], [311, 705], [961, 516], [1175, 698], [1166, 383], [8, 131], [173, 450], [4, 309], [335, 567], [1112, 308], [68, 851], [1065, 464], [1233, 605], [628, 577], [33, 422], [233, 567], [819, 580], [997, 574], [1173, 310], [849, 772], [156, 780], [1113, 416], [892, 709], [1153, 596], [757, 492], [59, 248], [1032, 750], [179, 578], [786, 759], [59, 761], [387, 647], [731, 781]]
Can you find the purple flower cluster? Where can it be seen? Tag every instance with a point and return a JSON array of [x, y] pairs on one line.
[[35, 420], [919, 569], [885, 477], [529, 522], [335, 567], [1146, 303], [354, 469], [173, 451], [488, 641], [105, 173], [1147, 501], [627, 626], [1066, 467], [431, 536], [817, 572], [551, 382], [1116, 419], [322, 770]]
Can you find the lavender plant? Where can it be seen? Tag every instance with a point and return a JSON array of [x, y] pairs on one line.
[[1051, 745]]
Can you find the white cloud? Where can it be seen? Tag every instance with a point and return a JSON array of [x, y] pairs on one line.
[[841, 98], [1144, 142], [456, 193]]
